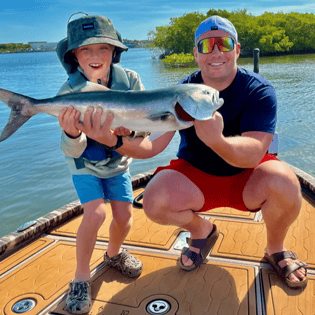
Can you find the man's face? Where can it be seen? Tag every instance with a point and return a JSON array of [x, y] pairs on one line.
[[217, 66], [95, 60]]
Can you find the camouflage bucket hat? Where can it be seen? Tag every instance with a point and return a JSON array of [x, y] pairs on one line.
[[92, 29]]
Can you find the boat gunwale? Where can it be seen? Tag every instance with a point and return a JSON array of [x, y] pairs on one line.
[[305, 179]]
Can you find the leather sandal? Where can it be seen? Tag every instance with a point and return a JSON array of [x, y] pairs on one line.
[[205, 245], [284, 272]]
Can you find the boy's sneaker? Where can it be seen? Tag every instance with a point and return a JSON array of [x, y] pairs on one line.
[[79, 299], [124, 262]]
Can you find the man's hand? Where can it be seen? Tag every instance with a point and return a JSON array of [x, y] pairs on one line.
[[210, 131], [67, 118], [93, 128]]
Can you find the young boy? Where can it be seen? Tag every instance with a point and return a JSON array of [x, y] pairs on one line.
[[90, 54]]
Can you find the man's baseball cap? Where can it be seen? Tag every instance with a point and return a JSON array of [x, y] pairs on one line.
[[214, 23]]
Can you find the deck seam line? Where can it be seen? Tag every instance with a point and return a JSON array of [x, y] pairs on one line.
[[260, 304], [24, 261]]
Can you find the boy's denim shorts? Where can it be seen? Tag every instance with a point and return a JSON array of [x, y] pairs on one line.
[[90, 187]]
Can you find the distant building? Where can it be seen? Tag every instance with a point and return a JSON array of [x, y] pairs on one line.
[[130, 45], [42, 45]]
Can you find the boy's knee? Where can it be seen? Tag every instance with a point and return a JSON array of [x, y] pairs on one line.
[[124, 220], [95, 218]]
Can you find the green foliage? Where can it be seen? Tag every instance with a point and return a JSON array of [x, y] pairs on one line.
[[275, 42], [14, 47], [179, 60], [178, 36], [272, 33]]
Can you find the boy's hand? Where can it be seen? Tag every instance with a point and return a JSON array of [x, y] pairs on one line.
[[93, 128], [122, 131], [67, 118]]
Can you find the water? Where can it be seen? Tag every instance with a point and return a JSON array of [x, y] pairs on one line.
[[33, 174]]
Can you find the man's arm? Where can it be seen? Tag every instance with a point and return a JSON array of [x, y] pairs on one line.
[[244, 151], [143, 148]]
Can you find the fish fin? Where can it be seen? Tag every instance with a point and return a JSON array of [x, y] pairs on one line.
[[93, 87], [18, 105]]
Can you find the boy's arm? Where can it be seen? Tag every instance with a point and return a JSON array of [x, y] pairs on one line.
[[73, 147], [73, 141], [139, 147]]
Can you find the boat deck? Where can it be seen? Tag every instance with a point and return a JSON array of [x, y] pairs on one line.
[[234, 280]]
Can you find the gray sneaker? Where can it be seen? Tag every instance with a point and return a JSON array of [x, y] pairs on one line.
[[79, 299], [124, 262]]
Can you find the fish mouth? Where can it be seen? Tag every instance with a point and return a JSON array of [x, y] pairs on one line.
[[181, 114]]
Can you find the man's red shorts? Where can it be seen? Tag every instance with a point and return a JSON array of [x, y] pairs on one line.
[[225, 191]]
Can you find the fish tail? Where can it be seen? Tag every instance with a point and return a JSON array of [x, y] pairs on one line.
[[19, 105]]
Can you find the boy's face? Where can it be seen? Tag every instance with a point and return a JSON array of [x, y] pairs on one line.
[[95, 60]]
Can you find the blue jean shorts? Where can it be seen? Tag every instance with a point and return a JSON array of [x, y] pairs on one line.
[[90, 187]]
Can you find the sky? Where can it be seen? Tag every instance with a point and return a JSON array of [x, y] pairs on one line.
[[24, 21]]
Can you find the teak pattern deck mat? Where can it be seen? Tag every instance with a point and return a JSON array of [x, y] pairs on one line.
[[232, 282], [247, 240], [144, 232], [280, 300], [43, 277], [212, 289]]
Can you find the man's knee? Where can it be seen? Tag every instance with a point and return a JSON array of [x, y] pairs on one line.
[[170, 192], [282, 181], [155, 200], [273, 181]]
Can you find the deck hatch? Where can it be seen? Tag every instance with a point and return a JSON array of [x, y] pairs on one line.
[[160, 307], [23, 306]]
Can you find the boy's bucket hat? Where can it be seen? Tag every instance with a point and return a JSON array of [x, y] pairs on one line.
[[91, 29]]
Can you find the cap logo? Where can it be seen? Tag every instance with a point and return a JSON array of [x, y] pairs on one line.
[[214, 28], [89, 26]]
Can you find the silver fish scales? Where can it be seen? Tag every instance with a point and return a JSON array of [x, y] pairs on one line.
[[167, 109]]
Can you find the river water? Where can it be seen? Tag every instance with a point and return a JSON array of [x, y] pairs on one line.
[[34, 178]]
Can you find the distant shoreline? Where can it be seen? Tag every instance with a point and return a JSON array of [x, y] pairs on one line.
[[38, 51], [26, 51], [42, 46]]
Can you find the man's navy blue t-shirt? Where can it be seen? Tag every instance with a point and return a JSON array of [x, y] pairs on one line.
[[250, 104]]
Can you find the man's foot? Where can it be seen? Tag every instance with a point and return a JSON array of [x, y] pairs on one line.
[[79, 298], [184, 259], [290, 270], [126, 263], [198, 250]]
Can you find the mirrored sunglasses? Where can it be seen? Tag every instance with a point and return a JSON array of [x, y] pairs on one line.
[[206, 45]]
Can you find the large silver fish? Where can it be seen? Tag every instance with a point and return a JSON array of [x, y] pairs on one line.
[[167, 109]]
